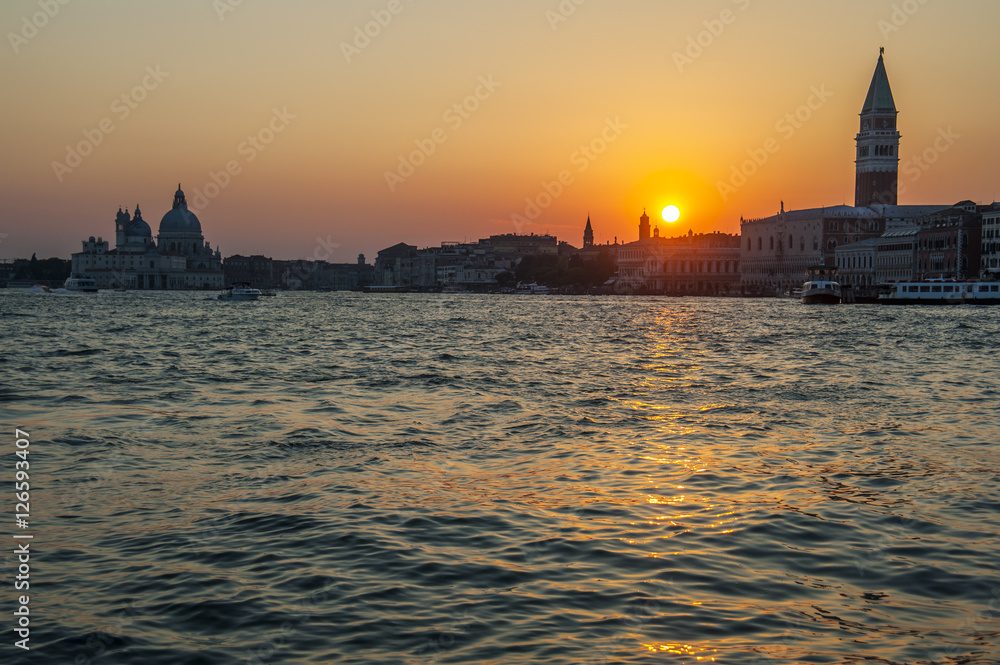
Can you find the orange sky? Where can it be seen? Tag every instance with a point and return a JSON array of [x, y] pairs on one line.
[[633, 103]]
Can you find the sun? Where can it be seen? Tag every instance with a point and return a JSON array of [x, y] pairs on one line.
[[671, 214]]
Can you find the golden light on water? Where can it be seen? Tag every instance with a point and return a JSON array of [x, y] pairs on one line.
[[682, 650]]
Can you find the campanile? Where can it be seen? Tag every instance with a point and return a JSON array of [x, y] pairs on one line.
[[878, 144]]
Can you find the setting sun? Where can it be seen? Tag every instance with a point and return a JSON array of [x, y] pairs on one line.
[[671, 214]]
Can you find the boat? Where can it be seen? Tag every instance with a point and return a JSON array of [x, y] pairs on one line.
[[940, 292], [821, 292], [822, 287], [75, 284], [532, 289], [386, 289], [240, 292]]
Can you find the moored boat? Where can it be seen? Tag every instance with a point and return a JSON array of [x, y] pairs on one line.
[[822, 287], [940, 292], [532, 289], [821, 292]]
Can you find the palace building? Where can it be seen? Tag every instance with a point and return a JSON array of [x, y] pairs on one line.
[[705, 264], [180, 258], [777, 251]]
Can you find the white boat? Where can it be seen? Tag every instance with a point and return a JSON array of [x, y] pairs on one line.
[[821, 292], [240, 292], [532, 289], [940, 292], [76, 284]]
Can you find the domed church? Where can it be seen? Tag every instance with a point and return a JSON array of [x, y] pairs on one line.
[[180, 258]]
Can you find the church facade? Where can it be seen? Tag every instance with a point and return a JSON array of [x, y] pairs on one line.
[[777, 251], [179, 258]]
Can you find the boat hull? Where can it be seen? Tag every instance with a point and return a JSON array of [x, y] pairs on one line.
[[821, 299]]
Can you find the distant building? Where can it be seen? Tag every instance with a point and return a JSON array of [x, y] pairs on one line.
[[394, 266], [949, 243], [472, 266], [256, 270], [857, 264], [990, 260], [180, 258], [588, 235], [519, 246], [896, 255], [703, 264], [346, 276]]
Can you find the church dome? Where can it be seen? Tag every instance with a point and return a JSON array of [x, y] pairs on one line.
[[137, 226], [180, 219]]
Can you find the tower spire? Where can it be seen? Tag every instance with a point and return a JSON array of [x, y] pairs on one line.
[[877, 179]]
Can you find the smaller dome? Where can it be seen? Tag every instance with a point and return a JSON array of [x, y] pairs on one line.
[[138, 226], [180, 219]]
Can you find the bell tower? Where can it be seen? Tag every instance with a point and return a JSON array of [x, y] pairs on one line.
[[877, 179], [588, 235], [644, 226]]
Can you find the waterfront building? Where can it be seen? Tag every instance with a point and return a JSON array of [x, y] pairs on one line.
[[256, 270], [857, 264], [180, 258], [895, 256], [346, 276], [394, 266], [696, 264], [990, 260], [949, 243], [517, 246], [472, 266]]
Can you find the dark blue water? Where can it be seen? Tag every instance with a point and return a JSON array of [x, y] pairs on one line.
[[462, 479]]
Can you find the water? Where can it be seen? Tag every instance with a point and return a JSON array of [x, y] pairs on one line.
[[460, 479]]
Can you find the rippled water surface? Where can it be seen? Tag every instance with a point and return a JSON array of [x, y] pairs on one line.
[[334, 478]]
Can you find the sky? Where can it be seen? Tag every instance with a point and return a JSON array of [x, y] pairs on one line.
[[322, 129]]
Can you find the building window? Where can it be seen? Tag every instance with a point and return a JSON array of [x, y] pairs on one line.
[[772, 242]]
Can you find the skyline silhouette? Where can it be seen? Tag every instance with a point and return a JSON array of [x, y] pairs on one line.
[[371, 123]]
